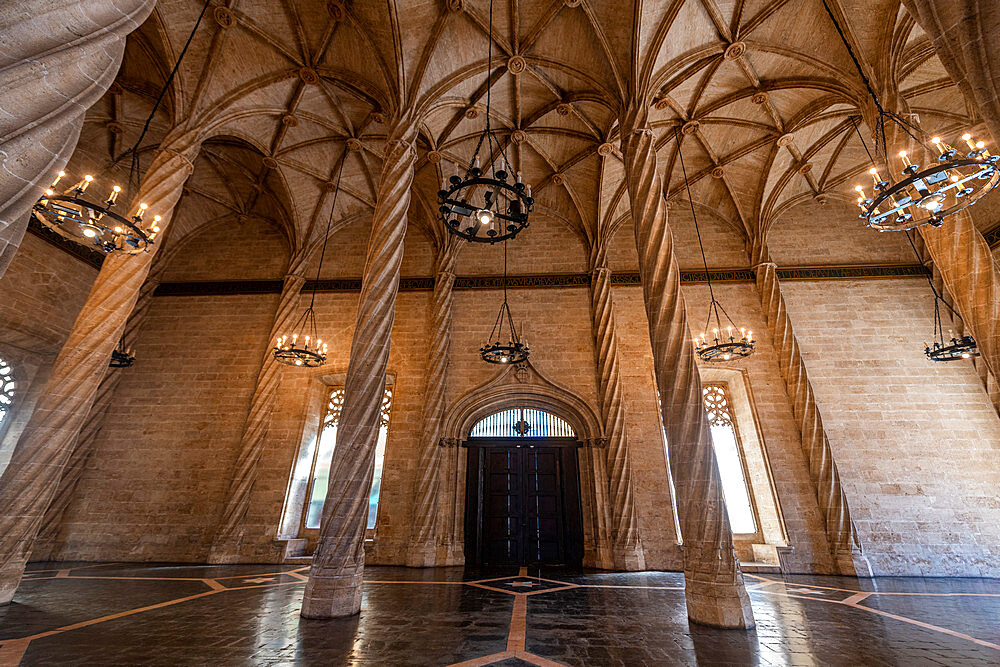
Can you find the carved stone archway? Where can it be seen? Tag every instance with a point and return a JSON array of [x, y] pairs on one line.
[[524, 386], [521, 386]]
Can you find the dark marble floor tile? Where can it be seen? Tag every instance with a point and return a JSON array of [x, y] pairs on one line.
[[163, 614]]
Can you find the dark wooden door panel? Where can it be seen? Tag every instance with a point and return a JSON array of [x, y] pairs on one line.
[[521, 508]]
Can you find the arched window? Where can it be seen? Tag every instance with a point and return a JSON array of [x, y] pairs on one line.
[[323, 456], [7, 387], [729, 456], [522, 423]]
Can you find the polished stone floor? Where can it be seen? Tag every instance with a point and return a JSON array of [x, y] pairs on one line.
[[128, 614]]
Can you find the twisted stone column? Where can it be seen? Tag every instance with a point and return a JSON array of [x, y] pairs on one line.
[[423, 550], [845, 549], [32, 478], [966, 37], [47, 544], [229, 534], [57, 58], [334, 586], [713, 582], [970, 274], [626, 549]]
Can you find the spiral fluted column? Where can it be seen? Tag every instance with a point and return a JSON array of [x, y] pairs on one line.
[[57, 58], [970, 273], [713, 583], [845, 549], [47, 544], [626, 548], [966, 37], [422, 550], [229, 534], [32, 478], [334, 586]]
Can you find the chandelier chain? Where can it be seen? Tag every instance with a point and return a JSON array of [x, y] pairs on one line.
[[329, 222], [713, 304], [163, 91], [937, 295]]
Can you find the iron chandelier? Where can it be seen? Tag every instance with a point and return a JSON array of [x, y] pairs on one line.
[[514, 350], [121, 356], [78, 215], [723, 345], [486, 205], [921, 196], [305, 348], [940, 349]]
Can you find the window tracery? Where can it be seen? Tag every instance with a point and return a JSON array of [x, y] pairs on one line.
[[7, 387]]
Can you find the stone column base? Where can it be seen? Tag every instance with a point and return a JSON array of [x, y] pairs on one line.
[[10, 578], [333, 595], [422, 555], [852, 564], [629, 558], [225, 554], [720, 605], [454, 554]]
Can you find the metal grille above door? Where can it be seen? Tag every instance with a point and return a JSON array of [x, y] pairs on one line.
[[522, 423]]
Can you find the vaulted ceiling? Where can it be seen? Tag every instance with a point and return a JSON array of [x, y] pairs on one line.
[[762, 94]]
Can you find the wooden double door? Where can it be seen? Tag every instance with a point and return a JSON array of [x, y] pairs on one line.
[[523, 502]]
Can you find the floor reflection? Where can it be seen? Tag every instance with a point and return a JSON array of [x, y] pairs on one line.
[[173, 614]]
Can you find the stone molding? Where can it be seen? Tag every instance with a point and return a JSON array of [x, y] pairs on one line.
[[506, 390]]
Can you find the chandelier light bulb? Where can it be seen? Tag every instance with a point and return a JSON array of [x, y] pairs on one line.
[[49, 192], [929, 194], [485, 216], [89, 232]]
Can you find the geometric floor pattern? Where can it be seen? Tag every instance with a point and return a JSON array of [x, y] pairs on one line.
[[128, 614]]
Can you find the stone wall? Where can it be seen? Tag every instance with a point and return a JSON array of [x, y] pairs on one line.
[[40, 295], [917, 443]]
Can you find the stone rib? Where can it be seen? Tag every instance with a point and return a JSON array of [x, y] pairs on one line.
[[845, 548], [47, 544], [334, 586], [714, 588], [229, 534], [423, 540], [43, 56], [624, 524], [32, 478]]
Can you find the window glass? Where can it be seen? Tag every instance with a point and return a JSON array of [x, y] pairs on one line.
[[324, 456], [730, 460]]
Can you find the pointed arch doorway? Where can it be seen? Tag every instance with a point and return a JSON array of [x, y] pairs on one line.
[[523, 504]]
